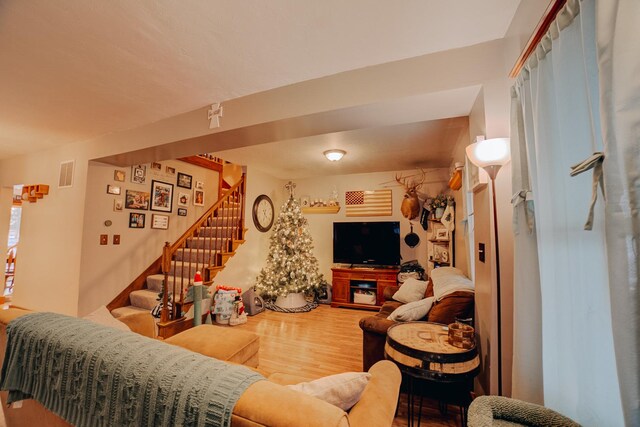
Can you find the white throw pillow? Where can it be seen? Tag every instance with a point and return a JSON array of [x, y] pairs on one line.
[[103, 317], [412, 311], [411, 290], [341, 390], [447, 280]]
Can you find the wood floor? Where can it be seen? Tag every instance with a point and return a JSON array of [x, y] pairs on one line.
[[323, 342]]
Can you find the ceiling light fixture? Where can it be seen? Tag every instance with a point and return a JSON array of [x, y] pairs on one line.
[[334, 155]]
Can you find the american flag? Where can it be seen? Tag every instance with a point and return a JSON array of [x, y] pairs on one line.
[[368, 203]]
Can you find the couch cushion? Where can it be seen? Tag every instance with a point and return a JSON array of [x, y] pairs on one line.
[[102, 316], [411, 290], [219, 342], [388, 307], [412, 311], [342, 390], [457, 304], [449, 279]]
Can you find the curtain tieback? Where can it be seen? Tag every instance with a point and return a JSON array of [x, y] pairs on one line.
[[526, 197], [593, 162]]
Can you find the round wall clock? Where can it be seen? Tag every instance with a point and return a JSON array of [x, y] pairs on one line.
[[263, 213]]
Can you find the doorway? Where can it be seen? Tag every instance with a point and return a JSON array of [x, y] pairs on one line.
[[12, 241]]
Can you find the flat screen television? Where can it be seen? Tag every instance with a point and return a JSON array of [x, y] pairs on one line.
[[367, 243]]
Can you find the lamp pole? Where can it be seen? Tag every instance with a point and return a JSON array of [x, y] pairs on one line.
[[490, 155], [492, 171]]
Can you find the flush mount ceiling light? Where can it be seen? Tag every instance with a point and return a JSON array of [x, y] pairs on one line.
[[334, 155]]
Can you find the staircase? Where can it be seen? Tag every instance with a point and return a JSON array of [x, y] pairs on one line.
[[206, 247]]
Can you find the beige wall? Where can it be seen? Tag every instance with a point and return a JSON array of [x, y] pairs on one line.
[[106, 270]]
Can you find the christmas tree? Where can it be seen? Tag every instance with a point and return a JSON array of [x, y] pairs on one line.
[[291, 266]]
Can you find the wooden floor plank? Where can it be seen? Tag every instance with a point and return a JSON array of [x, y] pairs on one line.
[[322, 342]]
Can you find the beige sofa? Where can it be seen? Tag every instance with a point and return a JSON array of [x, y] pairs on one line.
[[264, 403]]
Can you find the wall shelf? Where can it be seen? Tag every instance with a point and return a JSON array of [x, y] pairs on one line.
[[321, 210]]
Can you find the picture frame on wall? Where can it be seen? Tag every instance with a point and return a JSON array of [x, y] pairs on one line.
[[198, 197], [182, 212], [119, 175], [170, 171], [183, 199], [138, 174], [184, 180], [442, 234], [161, 196], [114, 189], [118, 204], [160, 222], [136, 200], [156, 166], [136, 220], [199, 185]]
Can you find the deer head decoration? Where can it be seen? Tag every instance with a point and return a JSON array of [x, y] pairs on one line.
[[410, 207]]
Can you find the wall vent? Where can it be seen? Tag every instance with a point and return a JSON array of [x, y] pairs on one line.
[[66, 174]]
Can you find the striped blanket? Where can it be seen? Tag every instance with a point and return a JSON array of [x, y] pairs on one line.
[[92, 375]]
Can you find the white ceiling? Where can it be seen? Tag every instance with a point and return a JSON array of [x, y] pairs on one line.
[[73, 70]]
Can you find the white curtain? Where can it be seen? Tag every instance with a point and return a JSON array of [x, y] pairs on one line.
[[618, 41], [558, 95]]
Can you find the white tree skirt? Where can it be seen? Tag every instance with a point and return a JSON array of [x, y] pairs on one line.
[[291, 300]]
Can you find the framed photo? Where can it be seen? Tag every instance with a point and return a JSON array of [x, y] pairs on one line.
[[136, 200], [199, 185], [118, 204], [138, 174], [161, 196], [136, 220], [183, 199], [442, 234], [184, 180], [305, 202], [113, 189], [156, 166], [198, 197], [170, 171], [160, 222], [182, 212], [118, 175]]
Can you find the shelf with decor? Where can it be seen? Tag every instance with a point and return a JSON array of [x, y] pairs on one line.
[[321, 210], [440, 245]]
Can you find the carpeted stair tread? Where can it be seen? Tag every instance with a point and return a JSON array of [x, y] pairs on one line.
[[207, 242], [144, 298], [185, 269], [216, 231], [125, 311], [194, 255]]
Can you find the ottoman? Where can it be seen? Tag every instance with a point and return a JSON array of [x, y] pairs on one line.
[[228, 344]]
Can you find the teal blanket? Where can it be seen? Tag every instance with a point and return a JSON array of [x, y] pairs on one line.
[[92, 375]]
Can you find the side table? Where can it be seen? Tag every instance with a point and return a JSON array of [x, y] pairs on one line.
[[423, 353]]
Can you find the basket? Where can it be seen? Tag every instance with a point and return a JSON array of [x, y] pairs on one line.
[[462, 336]]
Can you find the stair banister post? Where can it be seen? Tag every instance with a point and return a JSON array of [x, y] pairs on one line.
[[243, 196], [166, 267]]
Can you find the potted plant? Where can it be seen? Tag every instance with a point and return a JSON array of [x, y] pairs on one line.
[[439, 203]]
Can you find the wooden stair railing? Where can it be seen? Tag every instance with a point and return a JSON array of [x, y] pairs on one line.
[[225, 220]]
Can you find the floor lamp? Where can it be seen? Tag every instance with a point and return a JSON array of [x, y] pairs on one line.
[[491, 155]]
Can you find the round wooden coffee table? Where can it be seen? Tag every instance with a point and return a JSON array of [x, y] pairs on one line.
[[423, 353]]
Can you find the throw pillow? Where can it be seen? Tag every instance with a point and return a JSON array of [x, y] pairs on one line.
[[449, 279], [103, 317], [412, 311], [457, 304], [341, 390], [411, 290]]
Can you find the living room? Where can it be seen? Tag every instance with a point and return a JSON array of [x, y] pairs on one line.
[[278, 126]]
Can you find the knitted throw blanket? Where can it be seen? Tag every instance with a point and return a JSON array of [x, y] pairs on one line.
[[92, 375]]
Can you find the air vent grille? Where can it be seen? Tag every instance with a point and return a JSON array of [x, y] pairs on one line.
[[66, 174]]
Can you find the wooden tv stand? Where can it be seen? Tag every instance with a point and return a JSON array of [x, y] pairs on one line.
[[346, 280]]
